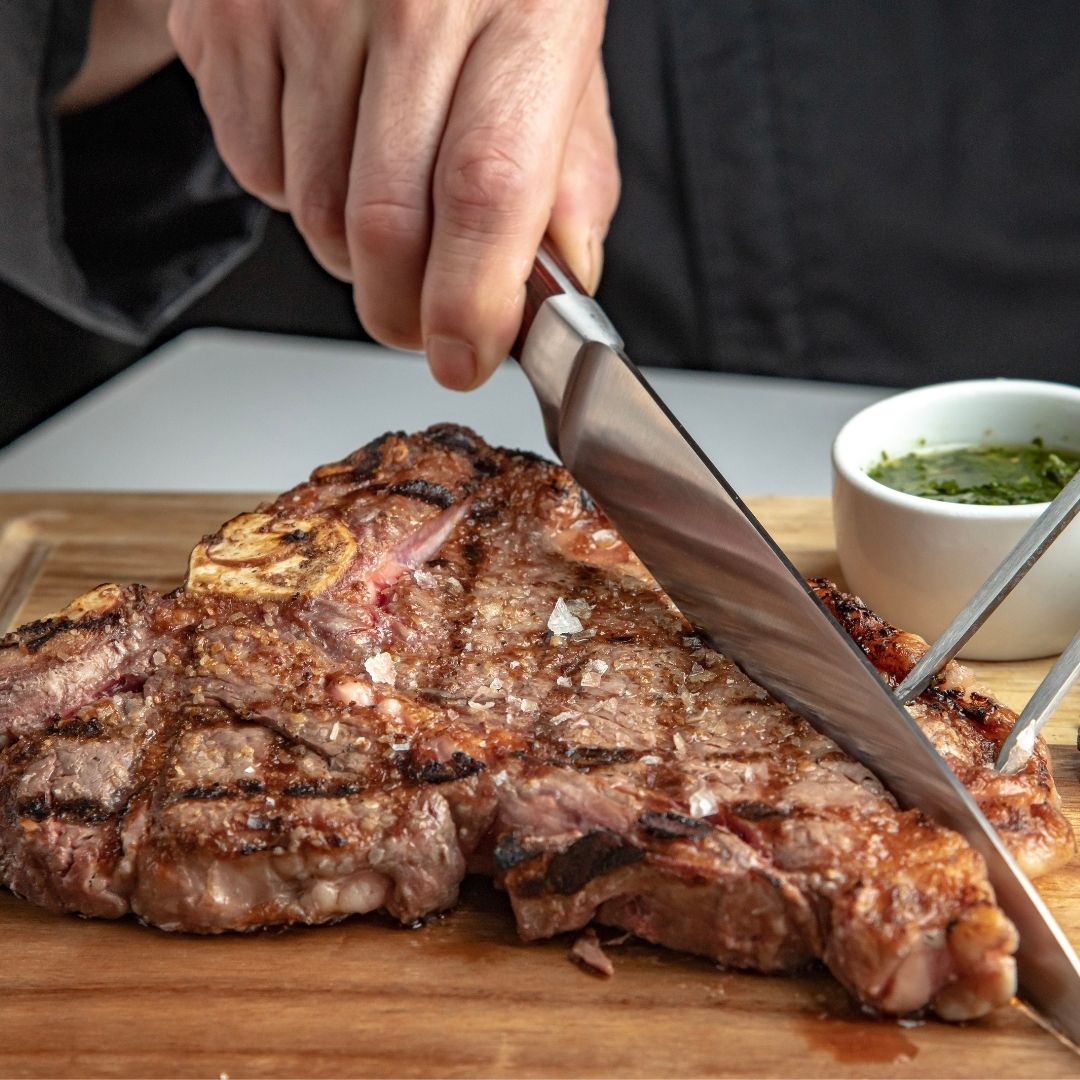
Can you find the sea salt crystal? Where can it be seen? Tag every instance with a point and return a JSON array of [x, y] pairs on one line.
[[562, 717], [562, 620], [650, 759], [564, 681], [605, 537], [381, 668], [424, 578], [528, 705], [591, 678], [334, 731], [702, 804]]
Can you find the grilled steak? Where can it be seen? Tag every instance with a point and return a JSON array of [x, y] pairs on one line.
[[436, 657]]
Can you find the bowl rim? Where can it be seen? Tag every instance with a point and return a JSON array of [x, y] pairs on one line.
[[845, 466]]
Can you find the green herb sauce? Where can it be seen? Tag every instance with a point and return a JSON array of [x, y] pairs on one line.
[[985, 475]]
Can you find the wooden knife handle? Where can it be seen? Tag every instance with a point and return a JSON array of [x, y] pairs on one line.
[[550, 277]]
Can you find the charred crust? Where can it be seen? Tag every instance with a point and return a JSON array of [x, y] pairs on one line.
[[251, 787], [527, 457], [36, 635], [81, 811], [453, 437], [472, 552], [365, 462], [297, 536], [76, 727], [752, 810], [424, 490], [509, 851], [36, 809], [301, 789], [204, 792], [672, 826], [431, 771], [486, 467], [622, 639], [594, 855], [588, 757]]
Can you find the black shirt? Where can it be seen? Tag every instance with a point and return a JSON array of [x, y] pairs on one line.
[[846, 189]]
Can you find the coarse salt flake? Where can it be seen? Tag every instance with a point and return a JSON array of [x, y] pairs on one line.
[[605, 537], [334, 731], [381, 668], [562, 620], [564, 681]]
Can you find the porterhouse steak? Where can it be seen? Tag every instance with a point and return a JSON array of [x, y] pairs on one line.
[[437, 657]]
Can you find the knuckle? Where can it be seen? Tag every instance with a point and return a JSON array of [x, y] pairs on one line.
[[398, 329], [258, 173], [481, 180], [319, 219], [403, 21], [382, 225]]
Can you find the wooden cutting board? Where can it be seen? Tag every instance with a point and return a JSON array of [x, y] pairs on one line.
[[460, 996]]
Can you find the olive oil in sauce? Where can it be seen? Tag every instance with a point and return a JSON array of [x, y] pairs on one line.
[[983, 475]]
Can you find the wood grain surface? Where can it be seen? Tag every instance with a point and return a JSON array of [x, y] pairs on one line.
[[459, 996]]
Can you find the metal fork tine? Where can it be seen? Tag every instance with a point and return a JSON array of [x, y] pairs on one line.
[[997, 586], [1018, 746]]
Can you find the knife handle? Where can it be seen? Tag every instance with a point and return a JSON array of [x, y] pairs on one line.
[[550, 277]]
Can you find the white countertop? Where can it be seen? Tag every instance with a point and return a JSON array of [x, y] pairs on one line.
[[224, 410]]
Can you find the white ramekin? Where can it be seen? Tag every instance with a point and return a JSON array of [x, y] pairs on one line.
[[917, 561]]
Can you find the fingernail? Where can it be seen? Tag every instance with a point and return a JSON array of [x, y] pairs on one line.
[[452, 361]]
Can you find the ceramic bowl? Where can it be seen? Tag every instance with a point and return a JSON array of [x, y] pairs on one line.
[[917, 561]]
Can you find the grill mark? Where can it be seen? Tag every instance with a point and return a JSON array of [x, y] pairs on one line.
[[588, 757], [425, 491], [33, 637], [672, 826], [458, 767], [202, 792], [79, 811], [753, 810]]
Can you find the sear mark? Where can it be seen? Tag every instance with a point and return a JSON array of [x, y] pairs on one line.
[[431, 771], [588, 757], [593, 855], [751, 810], [425, 490], [81, 811], [672, 826], [452, 437]]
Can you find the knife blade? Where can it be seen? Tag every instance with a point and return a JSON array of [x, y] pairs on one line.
[[731, 580]]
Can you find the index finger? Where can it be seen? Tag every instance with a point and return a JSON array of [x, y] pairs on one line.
[[495, 180]]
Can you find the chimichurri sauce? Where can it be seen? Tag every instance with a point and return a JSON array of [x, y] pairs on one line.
[[986, 475]]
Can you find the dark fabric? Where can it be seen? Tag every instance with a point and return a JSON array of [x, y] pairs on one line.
[[844, 189], [121, 216], [884, 193]]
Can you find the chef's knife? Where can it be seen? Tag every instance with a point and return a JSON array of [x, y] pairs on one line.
[[730, 579]]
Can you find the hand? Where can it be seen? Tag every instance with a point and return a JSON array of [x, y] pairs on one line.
[[423, 148], [128, 41]]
